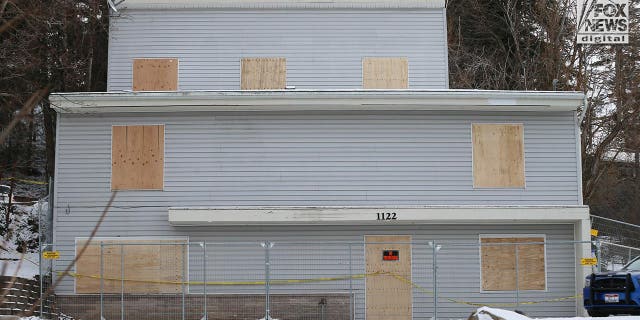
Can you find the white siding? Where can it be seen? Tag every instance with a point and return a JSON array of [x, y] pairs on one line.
[[323, 47]]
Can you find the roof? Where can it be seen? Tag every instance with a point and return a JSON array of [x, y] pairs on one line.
[[279, 4], [320, 100]]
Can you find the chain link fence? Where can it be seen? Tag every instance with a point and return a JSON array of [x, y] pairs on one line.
[[616, 242], [150, 279]]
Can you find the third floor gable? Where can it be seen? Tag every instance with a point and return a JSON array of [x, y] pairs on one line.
[[188, 45]]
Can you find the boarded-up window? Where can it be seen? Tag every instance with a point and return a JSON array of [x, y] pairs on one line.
[[498, 156], [263, 73], [499, 263], [137, 157], [137, 266], [385, 73], [155, 74]]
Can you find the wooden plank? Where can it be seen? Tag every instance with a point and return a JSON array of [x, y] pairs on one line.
[[135, 151], [89, 267], [385, 73], [153, 268], [152, 164], [531, 264], [387, 296], [498, 156], [119, 160], [137, 157], [263, 73], [155, 74], [499, 264]]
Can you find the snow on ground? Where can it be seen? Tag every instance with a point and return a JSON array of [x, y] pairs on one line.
[[27, 269], [23, 233], [588, 318], [600, 318], [485, 313]]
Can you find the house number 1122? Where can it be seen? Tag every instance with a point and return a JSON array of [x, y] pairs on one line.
[[386, 216]]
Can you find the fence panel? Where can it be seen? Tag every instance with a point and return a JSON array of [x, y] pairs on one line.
[[614, 256], [312, 281], [445, 279]]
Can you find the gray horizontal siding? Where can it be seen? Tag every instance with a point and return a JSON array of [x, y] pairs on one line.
[[321, 159], [312, 252], [324, 48], [293, 159]]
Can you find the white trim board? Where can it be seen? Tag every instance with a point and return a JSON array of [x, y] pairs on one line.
[[244, 216], [280, 4], [317, 100]]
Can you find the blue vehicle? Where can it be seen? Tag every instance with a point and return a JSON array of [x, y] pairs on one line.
[[615, 292]]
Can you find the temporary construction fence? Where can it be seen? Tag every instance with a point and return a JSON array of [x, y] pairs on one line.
[[618, 242], [379, 278]]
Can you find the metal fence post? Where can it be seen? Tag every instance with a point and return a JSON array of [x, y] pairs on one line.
[[351, 309], [267, 269], [204, 278], [122, 281], [435, 280], [599, 255], [101, 280], [517, 277], [184, 263], [40, 268]]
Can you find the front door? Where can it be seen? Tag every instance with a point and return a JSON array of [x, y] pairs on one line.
[[388, 282]]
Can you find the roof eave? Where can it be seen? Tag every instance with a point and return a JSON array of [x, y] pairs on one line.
[[281, 4], [320, 100]]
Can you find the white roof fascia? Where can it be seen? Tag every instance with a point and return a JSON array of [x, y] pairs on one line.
[[319, 100], [280, 4], [405, 215]]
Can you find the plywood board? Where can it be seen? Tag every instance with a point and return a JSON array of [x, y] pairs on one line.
[[498, 156], [155, 74], [499, 264], [156, 267], [387, 296], [385, 73], [263, 73], [137, 157], [531, 264]]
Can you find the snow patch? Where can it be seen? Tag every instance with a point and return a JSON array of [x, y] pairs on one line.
[[21, 235], [487, 313], [13, 267], [504, 314]]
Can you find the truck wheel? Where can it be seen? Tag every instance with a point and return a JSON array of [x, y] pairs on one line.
[[597, 313]]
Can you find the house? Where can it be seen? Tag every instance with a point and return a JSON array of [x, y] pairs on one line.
[[326, 132]]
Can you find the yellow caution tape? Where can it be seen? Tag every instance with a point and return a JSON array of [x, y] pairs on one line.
[[26, 181], [475, 304], [293, 281], [219, 283]]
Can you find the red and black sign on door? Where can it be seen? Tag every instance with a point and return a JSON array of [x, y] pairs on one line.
[[390, 255]]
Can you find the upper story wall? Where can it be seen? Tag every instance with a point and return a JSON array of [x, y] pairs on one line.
[[318, 159], [323, 44]]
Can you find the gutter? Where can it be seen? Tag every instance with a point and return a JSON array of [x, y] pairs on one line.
[[319, 100]]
